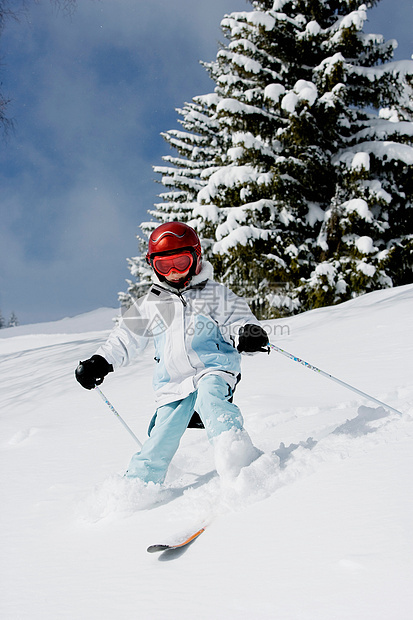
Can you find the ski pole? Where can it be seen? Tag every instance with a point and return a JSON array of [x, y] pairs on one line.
[[339, 381], [113, 410]]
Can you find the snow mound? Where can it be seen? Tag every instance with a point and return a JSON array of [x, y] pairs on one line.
[[318, 526], [96, 320]]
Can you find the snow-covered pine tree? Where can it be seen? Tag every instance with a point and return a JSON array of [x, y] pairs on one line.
[[297, 170], [13, 320], [366, 239]]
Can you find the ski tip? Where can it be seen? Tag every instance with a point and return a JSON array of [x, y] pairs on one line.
[[155, 548], [170, 547]]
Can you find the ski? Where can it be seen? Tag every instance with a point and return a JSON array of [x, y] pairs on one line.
[[181, 542]]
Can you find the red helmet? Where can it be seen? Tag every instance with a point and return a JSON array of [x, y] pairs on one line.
[[173, 238]]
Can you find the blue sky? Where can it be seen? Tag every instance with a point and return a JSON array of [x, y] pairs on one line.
[[91, 94]]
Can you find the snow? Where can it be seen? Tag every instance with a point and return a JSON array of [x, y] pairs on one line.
[[361, 161], [315, 213], [330, 98], [230, 176], [355, 20], [249, 141], [365, 245], [208, 100], [317, 528], [279, 5], [393, 151], [238, 215], [328, 65], [258, 19], [274, 92], [208, 212], [313, 28], [375, 188], [97, 320], [379, 129], [303, 91], [289, 102], [359, 206], [399, 69], [240, 60], [240, 235], [366, 268], [235, 107], [325, 269]]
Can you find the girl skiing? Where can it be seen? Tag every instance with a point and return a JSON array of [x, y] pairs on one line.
[[198, 328]]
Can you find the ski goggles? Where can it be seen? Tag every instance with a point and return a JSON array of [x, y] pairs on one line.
[[173, 262]]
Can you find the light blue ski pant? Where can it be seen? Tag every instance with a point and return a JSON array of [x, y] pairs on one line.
[[211, 400]]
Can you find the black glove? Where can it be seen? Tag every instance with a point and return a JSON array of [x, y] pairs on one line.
[[252, 338], [91, 372]]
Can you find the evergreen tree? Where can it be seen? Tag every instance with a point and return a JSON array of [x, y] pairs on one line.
[[13, 320], [297, 171], [2, 321]]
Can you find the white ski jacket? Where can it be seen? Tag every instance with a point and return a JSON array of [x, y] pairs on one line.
[[194, 332]]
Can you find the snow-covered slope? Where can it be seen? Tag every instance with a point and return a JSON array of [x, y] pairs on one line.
[[325, 535]]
